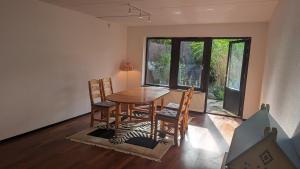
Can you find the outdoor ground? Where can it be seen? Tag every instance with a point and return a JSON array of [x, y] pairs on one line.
[[216, 107]]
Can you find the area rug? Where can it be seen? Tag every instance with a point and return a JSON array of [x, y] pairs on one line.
[[130, 138]]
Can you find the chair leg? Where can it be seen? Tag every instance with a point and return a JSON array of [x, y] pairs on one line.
[[186, 121], [101, 114], [176, 134], [182, 129], [155, 129], [162, 125], [92, 118], [107, 112], [130, 111]]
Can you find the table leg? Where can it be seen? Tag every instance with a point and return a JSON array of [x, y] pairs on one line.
[[117, 115], [162, 123], [162, 103], [152, 116], [128, 111]]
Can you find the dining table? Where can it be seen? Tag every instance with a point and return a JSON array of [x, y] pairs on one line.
[[139, 96]]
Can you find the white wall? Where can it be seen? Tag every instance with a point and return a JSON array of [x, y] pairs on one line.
[[47, 55], [136, 38], [281, 86]]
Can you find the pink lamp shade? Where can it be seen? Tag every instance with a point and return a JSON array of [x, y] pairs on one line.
[[126, 66]]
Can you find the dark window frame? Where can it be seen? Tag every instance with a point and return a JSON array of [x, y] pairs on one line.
[[146, 62], [206, 66], [174, 65]]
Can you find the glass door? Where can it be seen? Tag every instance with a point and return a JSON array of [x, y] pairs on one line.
[[236, 77]]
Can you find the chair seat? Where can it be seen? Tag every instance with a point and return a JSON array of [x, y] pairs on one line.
[[172, 106], [105, 104], [167, 113]]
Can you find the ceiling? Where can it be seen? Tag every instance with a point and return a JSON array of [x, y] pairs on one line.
[[173, 12]]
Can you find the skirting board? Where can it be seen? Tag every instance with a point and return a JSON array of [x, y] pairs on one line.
[[41, 128]]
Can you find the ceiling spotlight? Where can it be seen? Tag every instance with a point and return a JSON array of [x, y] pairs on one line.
[[177, 12], [133, 11]]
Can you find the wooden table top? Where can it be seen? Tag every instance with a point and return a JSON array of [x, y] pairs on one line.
[[140, 95]]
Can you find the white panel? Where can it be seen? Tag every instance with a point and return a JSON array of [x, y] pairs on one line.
[[281, 80], [170, 12], [48, 54]]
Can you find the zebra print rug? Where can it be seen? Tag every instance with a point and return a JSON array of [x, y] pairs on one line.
[[130, 138], [131, 133]]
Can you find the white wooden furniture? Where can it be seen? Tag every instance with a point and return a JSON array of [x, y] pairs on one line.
[[261, 143]]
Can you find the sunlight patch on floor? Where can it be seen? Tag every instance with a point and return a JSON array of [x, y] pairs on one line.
[[201, 138], [225, 125]]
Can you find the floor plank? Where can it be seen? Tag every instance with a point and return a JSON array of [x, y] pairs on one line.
[[202, 148]]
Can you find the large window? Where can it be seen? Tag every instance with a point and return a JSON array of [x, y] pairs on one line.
[[175, 62], [158, 61], [235, 66], [190, 63]]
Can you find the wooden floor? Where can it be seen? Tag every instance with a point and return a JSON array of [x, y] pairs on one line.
[[202, 148]]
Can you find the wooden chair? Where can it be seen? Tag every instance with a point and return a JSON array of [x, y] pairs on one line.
[[142, 108], [175, 117], [134, 108], [106, 87], [98, 104], [175, 106], [186, 113]]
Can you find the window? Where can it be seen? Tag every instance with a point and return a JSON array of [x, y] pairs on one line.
[[175, 62], [158, 62], [190, 63], [235, 66]]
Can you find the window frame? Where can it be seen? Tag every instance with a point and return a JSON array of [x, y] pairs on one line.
[[174, 65], [146, 63]]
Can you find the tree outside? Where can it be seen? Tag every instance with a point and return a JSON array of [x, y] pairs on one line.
[[190, 63], [218, 66], [159, 60]]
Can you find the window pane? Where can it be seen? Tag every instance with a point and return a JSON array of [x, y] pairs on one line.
[[190, 63], [158, 61], [235, 65]]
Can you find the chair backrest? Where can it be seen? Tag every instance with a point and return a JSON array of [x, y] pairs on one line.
[[106, 87], [183, 103], [94, 90], [190, 95]]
